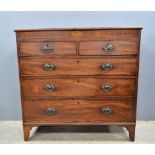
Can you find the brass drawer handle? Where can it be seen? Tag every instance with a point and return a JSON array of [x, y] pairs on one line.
[[50, 111], [106, 110], [48, 67], [47, 48], [107, 66], [108, 47], [106, 88], [49, 87]]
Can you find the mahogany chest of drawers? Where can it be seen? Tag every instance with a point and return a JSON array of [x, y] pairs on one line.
[[85, 76]]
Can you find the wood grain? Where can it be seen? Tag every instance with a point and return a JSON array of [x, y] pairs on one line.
[[69, 35], [73, 111], [120, 48], [91, 66], [77, 57], [78, 87], [35, 48]]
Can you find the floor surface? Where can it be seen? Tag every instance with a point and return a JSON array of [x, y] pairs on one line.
[[12, 132]]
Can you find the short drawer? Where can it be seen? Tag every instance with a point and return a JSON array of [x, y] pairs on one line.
[[78, 87], [108, 48], [79, 112], [95, 66], [46, 48]]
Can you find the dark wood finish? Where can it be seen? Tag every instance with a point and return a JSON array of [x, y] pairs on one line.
[[120, 48], [26, 130], [79, 111], [88, 87], [77, 35], [90, 66], [35, 48], [78, 76], [131, 131]]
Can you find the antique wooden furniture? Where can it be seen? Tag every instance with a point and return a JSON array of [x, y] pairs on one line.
[[79, 76]]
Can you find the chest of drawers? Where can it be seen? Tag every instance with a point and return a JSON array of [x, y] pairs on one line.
[[85, 76]]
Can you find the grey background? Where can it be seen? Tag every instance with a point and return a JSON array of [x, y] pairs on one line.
[[10, 108]]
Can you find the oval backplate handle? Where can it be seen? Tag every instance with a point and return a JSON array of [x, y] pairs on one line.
[[49, 87], [106, 88], [106, 110], [47, 48], [50, 111], [108, 47], [107, 66], [48, 67]]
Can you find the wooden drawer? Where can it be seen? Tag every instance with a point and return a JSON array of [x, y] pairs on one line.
[[108, 48], [78, 34], [81, 112], [47, 48], [95, 66], [78, 87]]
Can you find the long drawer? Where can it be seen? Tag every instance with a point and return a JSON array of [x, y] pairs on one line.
[[78, 87], [76, 35], [90, 66], [79, 112], [108, 48]]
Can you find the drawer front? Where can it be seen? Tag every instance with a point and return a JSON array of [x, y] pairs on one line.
[[97, 66], [47, 48], [108, 48], [76, 35], [82, 112], [78, 87]]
